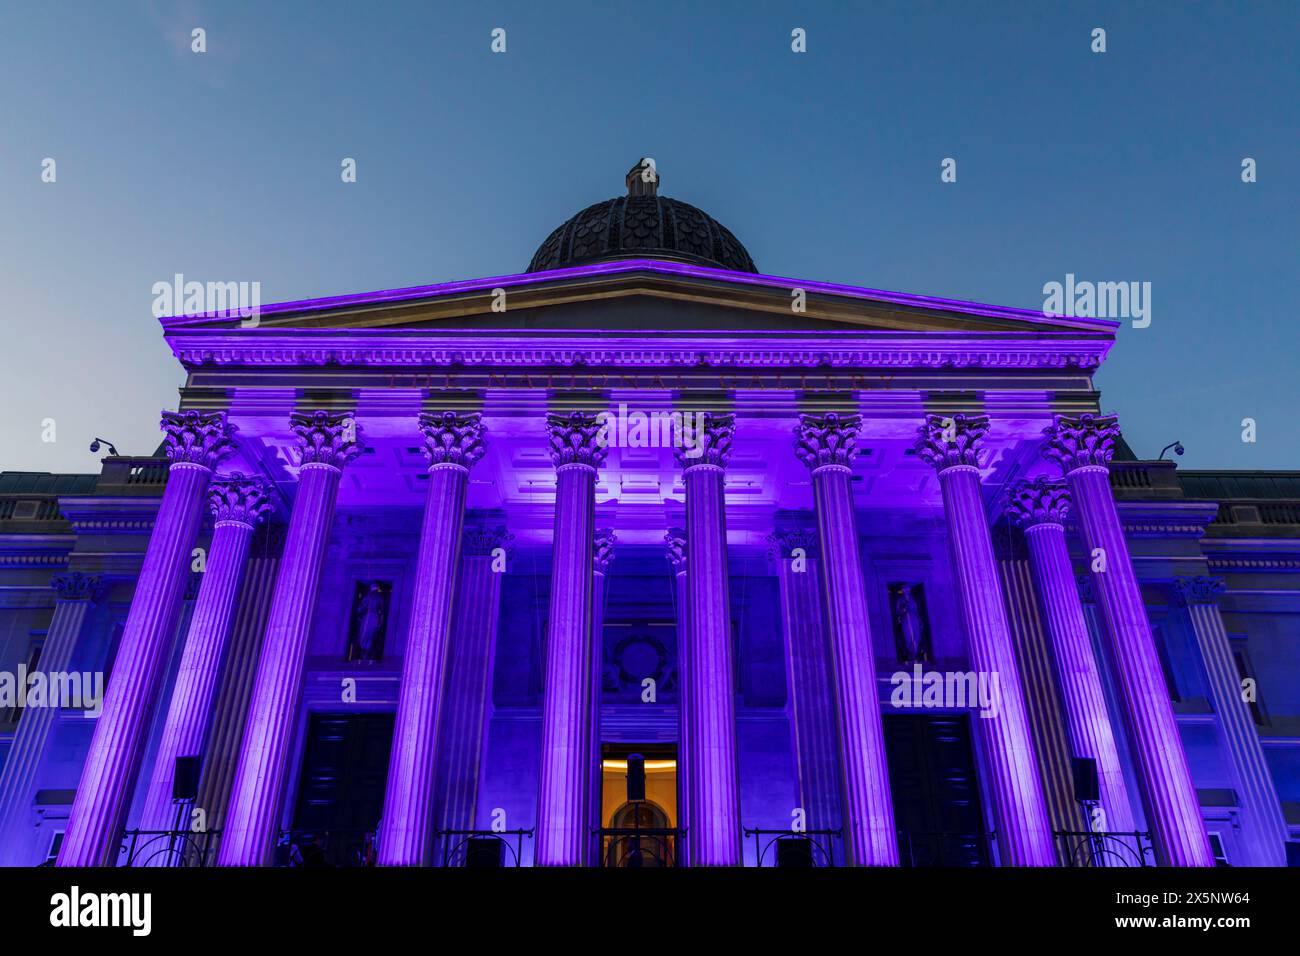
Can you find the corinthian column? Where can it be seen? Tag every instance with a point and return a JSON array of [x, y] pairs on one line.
[[75, 593], [826, 445], [195, 442], [1024, 833], [713, 800], [1040, 507], [452, 444], [675, 540], [1082, 447], [562, 839], [1264, 830], [602, 558], [237, 505], [326, 442], [795, 552]]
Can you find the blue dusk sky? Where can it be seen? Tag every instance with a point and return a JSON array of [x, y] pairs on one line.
[[225, 166]]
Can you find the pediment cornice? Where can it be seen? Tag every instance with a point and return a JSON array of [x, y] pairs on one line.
[[464, 347], [474, 301]]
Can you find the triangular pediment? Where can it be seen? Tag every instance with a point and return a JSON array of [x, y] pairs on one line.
[[647, 296]]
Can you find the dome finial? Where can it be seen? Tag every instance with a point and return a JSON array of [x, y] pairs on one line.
[[643, 178]]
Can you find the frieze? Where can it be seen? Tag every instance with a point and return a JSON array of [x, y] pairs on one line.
[[198, 350]]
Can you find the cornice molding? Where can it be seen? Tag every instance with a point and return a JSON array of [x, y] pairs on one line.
[[404, 348], [1253, 564], [11, 560]]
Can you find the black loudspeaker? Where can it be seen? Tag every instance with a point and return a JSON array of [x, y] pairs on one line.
[[185, 779], [794, 853], [1085, 779], [1292, 853], [635, 777], [483, 853]]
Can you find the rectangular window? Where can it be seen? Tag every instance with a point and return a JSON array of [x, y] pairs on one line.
[[1246, 672], [1171, 682], [55, 844], [11, 715], [1216, 846]]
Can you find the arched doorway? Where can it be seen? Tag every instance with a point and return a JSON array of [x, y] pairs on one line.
[[640, 836]]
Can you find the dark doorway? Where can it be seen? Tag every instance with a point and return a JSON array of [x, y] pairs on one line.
[[340, 791], [642, 832], [935, 790]]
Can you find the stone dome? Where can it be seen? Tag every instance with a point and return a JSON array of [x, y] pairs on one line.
[[642, 225]]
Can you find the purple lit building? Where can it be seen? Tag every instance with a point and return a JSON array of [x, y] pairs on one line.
[[424, 576]]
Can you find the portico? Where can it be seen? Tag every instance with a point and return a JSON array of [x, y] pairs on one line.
[[830, 470]]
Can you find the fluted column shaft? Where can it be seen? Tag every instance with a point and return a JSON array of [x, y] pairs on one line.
[[870, 837], [1173, 810], [812, 697], [602, 555], [254, 808], [1264, 833], [117, 746], [76, 593], [406, 828], [188, 711], [1024, 831], [1040, 507], [713, 800], [469, 678], [196, 442], [237, 506], [826, 445], [452, 443], [561, 827], [676, 542], [1083, 447], [235, 685]]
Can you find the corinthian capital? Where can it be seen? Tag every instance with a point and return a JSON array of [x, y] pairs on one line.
[[452, 438], [1041, 501], [948, 440], [706, 439], [75, 586], [784, 540], [603, 554], [1199, 590], [1086, 440], [577, 438], [326, 438], [830, 439], [199, 438], [675, 540], [236, 498], [483, 541]]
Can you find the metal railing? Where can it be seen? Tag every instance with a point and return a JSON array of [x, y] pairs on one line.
[[169, 848], [637, 847], [1083, 848], [815, 847], [461, 847]]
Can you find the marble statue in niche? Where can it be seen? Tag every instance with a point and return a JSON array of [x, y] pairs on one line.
[[369, 621], [911, 622]]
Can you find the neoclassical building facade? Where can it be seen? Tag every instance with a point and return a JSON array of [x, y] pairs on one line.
[[644, 557]]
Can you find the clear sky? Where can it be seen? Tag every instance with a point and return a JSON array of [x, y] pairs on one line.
[[225, 166]]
